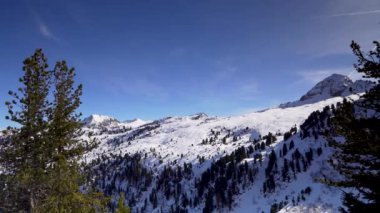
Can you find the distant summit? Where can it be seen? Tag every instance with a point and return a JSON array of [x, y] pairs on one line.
[[199, 115], [332, 86], [99, 120], [135, 123], [335, 85]]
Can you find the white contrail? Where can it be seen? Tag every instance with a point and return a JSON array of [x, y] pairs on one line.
[[356, 13]]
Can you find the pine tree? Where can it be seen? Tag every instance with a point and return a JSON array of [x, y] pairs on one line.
[[121, 208], [24, 155], [64, 149], [357, 159], [40, 157], [284, 149], [369, 66]]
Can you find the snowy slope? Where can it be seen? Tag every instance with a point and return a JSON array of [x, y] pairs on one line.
[[202, 140], [322, 199], [165, 165], [183, 135], [179, 139]]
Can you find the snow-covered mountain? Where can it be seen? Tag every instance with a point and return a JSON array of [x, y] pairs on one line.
[[335, 85], [95, 120], [202, 163], [106, 122], [134, 123]]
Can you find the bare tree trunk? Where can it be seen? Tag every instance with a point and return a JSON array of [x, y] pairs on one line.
[[31, 201]]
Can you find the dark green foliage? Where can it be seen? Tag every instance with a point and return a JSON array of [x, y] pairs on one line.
[[319, 151], [296, 158], [125, 168], [41, 156], [269, 184], [316, 123], [291, 132], [358, 157], [24, 155], [209, 206], [285, 171], [309, 156], [308, 190], [121, 208], [284, 149], [262, 146], [291, 145], [220, 183], [269, 139], [274, 208], [272, 163], [369, 65]]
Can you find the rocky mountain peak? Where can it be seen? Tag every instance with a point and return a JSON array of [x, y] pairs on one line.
[[336, 85], [332, 86]]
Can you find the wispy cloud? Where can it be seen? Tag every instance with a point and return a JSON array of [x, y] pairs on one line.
[[45, 31], [356, 13], [42, 27], [331, 29]]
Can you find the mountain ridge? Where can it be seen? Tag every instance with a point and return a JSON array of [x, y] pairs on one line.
[[335, 85], [200, 163], [166, 147]]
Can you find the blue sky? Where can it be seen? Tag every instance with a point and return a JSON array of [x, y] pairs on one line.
[[151, 59]]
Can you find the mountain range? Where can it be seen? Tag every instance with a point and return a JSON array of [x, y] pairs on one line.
[[272, 160]]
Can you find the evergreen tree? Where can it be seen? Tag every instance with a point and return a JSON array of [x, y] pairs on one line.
[[121, 208], [41, 156], [359, 156], [24, 156], [285, 170], [271, 163], [284, 149], [64, 149], [369, 66], [291, 145]]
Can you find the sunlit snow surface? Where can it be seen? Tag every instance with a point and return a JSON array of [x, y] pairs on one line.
[[179, 139]]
